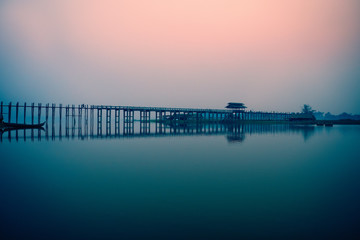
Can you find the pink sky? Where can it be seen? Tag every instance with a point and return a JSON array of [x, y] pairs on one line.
[[185, 53]]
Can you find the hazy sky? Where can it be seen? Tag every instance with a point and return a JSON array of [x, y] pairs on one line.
[[269, 54]]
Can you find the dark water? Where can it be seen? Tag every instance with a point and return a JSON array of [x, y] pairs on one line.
[[270, 182]]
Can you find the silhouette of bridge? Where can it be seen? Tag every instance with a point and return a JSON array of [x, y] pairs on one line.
[[88, 120], [94, 113], [43, 112]]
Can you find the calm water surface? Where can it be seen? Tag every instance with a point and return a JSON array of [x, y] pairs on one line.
[[259, 184]]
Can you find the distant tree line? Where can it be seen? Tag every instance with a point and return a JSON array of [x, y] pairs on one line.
[[307, 109], [328, 116]]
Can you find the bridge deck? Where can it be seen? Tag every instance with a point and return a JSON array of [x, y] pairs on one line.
[[168, 109]]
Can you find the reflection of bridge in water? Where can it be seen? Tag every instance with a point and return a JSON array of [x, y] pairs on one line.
[[233, 132]]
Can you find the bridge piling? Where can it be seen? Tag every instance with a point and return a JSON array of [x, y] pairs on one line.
[[91, 120], [39, 112], [25, 113], [86, 119], [99, 121], [117, 120], [73, 121], [60, 113], [108, 121], [9, 112], [67, 120], [80, 120], [17, 112], [32, 113], [47, 112], [53, 106], [80, 112]]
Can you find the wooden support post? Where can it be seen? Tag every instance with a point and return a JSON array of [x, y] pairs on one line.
[[99, 121], [24, 113], [47, 112], [67, 120], [79, 116], [86, 120], [1, 108], [60, 120], [80, 107], [17, 112], [67, 116], [53, 121], [32, 113], [53, 114], [108, 121], [117, 121], [91, 120], [60, 113], [73, 121], [9, 112], [86, 114], [39, 112]]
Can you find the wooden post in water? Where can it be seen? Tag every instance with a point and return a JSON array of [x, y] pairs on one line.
[[47, 112], [24, 113], [73, 121], [60, 120], [117, 119], [79, 116], [53, 114], [32, 113], [80, 120], [60, 113], [91, 120], [9, 113], [53, 108], [86, 114], [86, 120], [67, 120], [39, 112], [99, 121], [1, 108], [17, 112], [108, 121]]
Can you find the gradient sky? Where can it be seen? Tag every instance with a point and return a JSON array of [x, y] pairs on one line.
[[269, 54]]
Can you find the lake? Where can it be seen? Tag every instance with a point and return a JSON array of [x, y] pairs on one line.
[[256, 181]]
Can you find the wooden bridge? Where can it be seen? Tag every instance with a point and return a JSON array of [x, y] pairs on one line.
[[92, 115]]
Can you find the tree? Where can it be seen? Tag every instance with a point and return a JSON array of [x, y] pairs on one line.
[[307, 109], [318, 115]]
